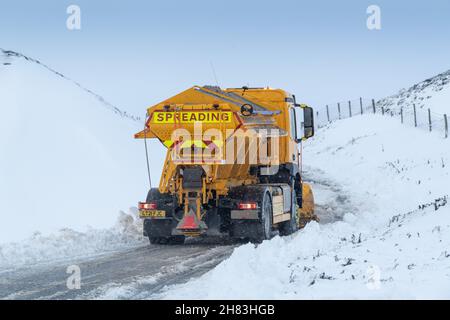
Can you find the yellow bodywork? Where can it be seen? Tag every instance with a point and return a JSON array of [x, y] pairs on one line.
[[306, 213], [221, 110]]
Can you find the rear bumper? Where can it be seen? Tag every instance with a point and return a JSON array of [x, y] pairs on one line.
[[244, 215]]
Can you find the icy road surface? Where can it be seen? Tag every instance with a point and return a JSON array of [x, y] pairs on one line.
[[123, 274]]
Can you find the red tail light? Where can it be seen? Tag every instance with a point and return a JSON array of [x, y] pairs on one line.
[[147, 206], [247, 206]]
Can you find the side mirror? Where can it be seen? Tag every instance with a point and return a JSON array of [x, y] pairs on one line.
[[304, 116], [308, 118]]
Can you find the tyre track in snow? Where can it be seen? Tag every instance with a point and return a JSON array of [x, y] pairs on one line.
[[146, 268], [331, 201]]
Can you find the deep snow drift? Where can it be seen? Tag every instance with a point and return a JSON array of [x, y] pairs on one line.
[[392, 243], [67, 157]]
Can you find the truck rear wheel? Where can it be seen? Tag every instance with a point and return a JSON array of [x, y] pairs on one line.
[[264, 227], [159, 231], [291, 226]]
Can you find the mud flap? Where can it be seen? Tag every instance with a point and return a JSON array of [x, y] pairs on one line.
[[245, 229], [190, 225], [158, 227]]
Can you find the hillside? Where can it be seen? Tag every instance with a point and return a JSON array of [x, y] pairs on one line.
[[433, 93], [68, 157]]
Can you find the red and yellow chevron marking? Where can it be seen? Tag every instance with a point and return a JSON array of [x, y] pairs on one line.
[[210, 144]]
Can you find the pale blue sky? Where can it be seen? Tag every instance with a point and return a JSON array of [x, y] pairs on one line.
[[136, 53]]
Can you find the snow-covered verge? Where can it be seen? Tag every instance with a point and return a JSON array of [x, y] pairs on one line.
[[70, 244], [392, 243], [67, 157]]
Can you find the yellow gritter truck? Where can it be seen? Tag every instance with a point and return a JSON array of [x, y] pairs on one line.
[[233, 165]]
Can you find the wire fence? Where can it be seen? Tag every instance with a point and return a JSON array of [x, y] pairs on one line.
[[410, 115]]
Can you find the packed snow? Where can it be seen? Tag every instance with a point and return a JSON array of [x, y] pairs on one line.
[[68, 166], [393, 242]]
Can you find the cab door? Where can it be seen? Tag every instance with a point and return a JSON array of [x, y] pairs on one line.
[[293, 154]]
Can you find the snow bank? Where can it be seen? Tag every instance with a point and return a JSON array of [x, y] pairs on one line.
[[392, 243], [70, 244], [67, 159]]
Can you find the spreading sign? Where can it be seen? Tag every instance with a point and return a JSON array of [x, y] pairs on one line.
[[192, 117]]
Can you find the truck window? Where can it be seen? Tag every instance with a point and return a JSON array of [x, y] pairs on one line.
[[299, 119], [293, 124]]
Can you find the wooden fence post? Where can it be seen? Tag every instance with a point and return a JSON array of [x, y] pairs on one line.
[[446, 125], [361, 105], [350, 108], [373, 105], [429, 119], [328, 114], [382, 111], [401, 114], [339, 110], [415, 115]]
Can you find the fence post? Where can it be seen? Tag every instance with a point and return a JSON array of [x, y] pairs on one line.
[[373, 105], [415, 115], [401, 114], [328, 114], [339, 110], [382, 111], [360, 105], [429, 119], [350, 108], [446, 125]]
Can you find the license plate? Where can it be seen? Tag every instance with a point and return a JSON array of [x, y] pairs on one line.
[[152, 213]]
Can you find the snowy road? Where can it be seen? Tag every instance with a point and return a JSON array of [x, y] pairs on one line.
[[124, 274], [141, 272]]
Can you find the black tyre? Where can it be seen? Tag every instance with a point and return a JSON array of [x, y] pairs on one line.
[[291, 226], [160, 231], [154, 195], [265, 225]]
